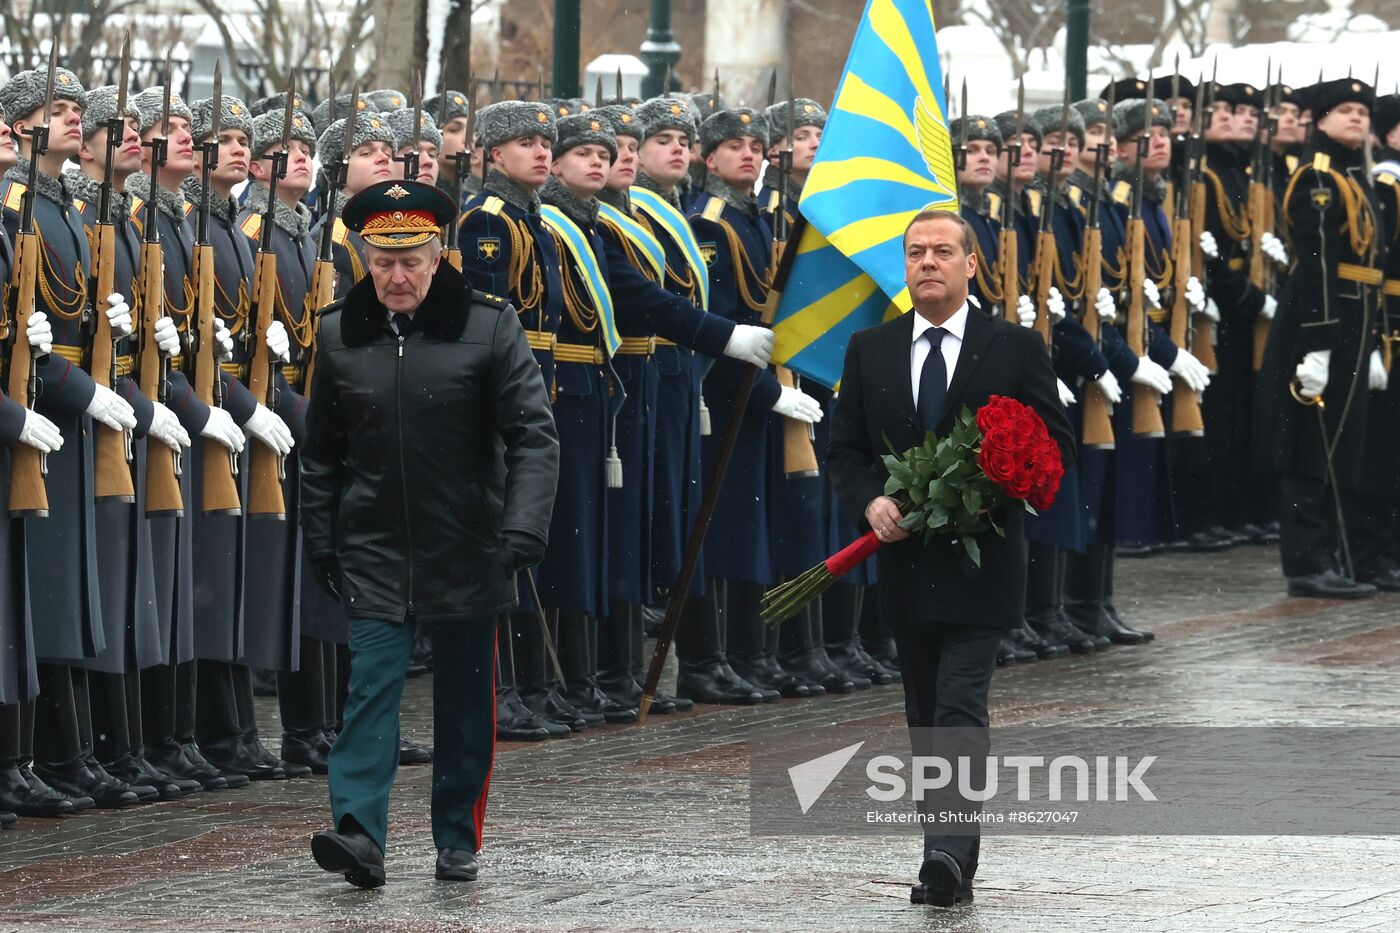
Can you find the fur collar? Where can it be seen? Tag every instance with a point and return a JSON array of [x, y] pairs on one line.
[[294, 221], [442, 315], [55, 189], [510, 192], [618, 199], [171, 203], [1153, 189], [646, 181], [226, 209], [89, 190], [771, 178], [584, 213], [741, 201]]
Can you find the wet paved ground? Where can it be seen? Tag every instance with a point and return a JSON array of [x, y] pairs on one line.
[[645, 828]]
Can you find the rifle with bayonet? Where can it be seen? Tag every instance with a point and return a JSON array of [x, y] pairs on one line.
[[29, 494], [1007, 250], [1186, 408], [163, 467], [461, 164], [113, 452], [1097, 410], [322, 291], [1203, 332], [1047, 253], [410, 158], [1147, 413], [219, 465], [267, 467], [1261, 217]]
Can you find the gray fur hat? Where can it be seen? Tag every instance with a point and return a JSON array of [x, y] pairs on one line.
[[623, 120], [805, 112], [101, 107], [666, 113], [369, 128], [1135, 116], [1093, 112], [732, 124], [149, 102], [235, 115], [456, 106], [978, 128], [386, 99], [583, 129], [277, 102], [511, 119], [321, 116], [568, 106], [24, 93], [267, 131], [706, 105], [1047, 120], [1006, 124], [401, 123]]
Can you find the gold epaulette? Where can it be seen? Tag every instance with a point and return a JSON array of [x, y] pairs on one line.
[[80, 204], [188, 207], [1322, 162], [339, 232], [1386, 178], [1034, 199], [1122, 191], [1076, 193], [993, 204], [773, 200], [1291, 162], [134, 209], [252, 226], [12, 197], [493, 205], [713, 208]]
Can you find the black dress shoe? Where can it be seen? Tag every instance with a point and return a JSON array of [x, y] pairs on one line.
[[169, 758], [1387, 582], [708, 684], [8, 819], [1211, 541], [918, 894], [354, 854], [1043, 649], [766, 694], [136, 770], [549, 704], [852, 660], [301, 750], [515, 723], [77, 781], [1102, 625], [1256, 534], [145, 792], [588, 699], [1329, 585], [677, 704], [456, 865], [232, 756], [1113, 614], [1136, 550], [411, 753], [17, 794], [940, 881], [1024, 644], [1057, 631], [192, 753]]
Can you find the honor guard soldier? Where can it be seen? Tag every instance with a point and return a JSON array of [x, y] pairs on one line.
[[129, 616], [1320, 343], [386, 100], [702, 107], [325, 113], [169, 690], [981, 139], [1289, 135], [453, 110], [1385, 127], [66, 609], [426, 143], [507, 250], [371, 160], [427, 482]]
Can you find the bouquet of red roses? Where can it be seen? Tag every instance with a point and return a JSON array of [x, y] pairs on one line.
[[950, 486]]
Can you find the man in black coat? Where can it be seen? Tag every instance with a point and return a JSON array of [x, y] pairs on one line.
[[901, 379], [428, 479]]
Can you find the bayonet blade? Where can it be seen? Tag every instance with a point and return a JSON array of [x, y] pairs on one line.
[[350, 124], [53, 73], [598, 92], [714, 101], [619, 87], [442, 97], [123, 69], [165, 103], [772, 87], [417, 92], [790, 119], [217, 110], [962, 112], [288, 112], [1020, 112]]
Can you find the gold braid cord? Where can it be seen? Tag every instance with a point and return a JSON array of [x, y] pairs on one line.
[[240, 304], [70, 306], [524, 276], [1234, 221], [1360, 226], [629, 250], [576, 300], [299, 328], [987, 285], [744, 269]]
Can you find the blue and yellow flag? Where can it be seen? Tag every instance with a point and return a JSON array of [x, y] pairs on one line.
[[885, 155]]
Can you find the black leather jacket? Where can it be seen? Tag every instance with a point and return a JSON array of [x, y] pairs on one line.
[[421, 451]]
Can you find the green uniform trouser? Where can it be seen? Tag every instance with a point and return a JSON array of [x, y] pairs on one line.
[[366, 753]]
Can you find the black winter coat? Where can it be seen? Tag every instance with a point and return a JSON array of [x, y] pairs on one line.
[[421, 451]]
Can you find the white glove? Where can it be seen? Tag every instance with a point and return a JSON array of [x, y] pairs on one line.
[[1152, 294], [1066, 395], [1312, 373], [40, 433], [1270, 308], [1108, 383], [221, 429], [1106, 306], [1209, 246], [278, 343], [1378, 378], [1195, 295], [166, 428], [1273, 248], [1025, 311], [1055, 306], [111, 409], [1154, 377], [267, 427], [223, 340], [39, 332], [748, 344], [798, 405], [1211, 310], [1191, 371], [167, 337], [118, 315]]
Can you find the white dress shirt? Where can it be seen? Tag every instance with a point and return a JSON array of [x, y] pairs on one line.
[[951, 346]]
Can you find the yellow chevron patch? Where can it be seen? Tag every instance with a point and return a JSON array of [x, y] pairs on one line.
[[252, 226], [13, 196], [493, 205]]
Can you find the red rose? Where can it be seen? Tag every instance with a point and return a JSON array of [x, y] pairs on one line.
[[992, 416], [999, 464]]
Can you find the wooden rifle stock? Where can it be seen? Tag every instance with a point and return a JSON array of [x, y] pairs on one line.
[[454, 256], [220, 488], [163, 494], [1261, 205], [323, 293], [1046, 256], [1098, 420], [265, 464], [799, 448], [112, 472], [1147, 413], [29, 493], [1202, 329], [1010, 269], [1186, 410]]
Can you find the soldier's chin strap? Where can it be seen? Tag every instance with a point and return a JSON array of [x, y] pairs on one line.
[[1320, 406]]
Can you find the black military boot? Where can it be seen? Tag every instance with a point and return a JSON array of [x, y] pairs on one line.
[[875, 636], [514, 723], [613, 641], [745, 635], [536, 674], [841, 611], [803, 653], [702, 675], [661, 702], [420, 661], [1108, 559]]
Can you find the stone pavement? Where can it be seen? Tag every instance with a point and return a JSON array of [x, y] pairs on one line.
[[647, 828]]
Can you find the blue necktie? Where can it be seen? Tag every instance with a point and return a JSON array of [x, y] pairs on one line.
[[933, 384]]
